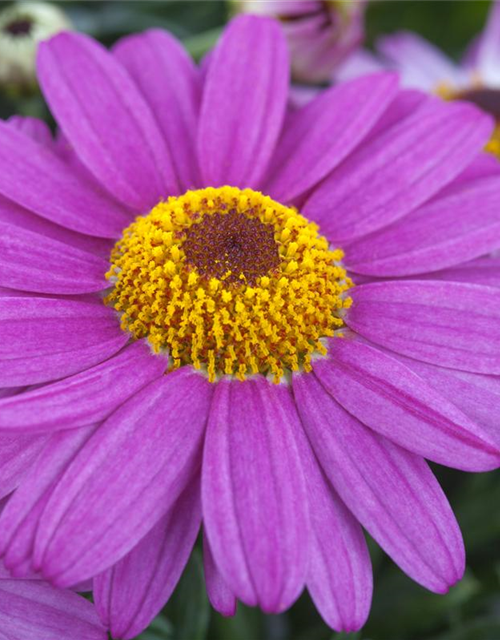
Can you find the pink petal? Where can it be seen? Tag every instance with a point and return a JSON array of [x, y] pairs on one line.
[[13, 214], [33, 610], [124, 479], [392, 492], [220, 596], [61, 195], [253, 492], [17, 454], [171, 83], [389, 398], [42, 339], [19, 519], [32, 262], [478, 396], [83, 398], [487, 49], [398, 170], [36, 129], [359, 63], [447, 323], [106, 120], [439, 234], [243, 103], [132, 592], [318, 137], [485, 271], [339, 575], [403, 106]]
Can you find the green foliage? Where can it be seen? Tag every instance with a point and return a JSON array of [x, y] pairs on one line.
[[449, 24], [188, 610]]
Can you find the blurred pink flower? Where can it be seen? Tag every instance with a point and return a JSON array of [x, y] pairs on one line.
[[320, 33], [422, 65]]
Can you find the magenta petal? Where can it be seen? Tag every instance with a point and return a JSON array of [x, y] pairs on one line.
[[478, 396], [36, 129], [132, 592], [32, 262], [60, 194], [33, 610], [19, 519], [339, 575], [220, 596], [253, 492], [13, 214], [239, 124], [83, 398], [485, 271], [398, 170], [403, 106], [43, 339], [105, 119], [17, 454], [484, 165], [440, 234], [447, 323], [391, 491], [124, 479], [391, 399], [319, 136], [171, 83]]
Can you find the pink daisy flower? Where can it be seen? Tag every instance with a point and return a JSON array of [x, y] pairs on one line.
[[424, 66], [182, 349]]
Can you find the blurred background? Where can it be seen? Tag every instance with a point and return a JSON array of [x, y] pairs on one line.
[[401, 610]]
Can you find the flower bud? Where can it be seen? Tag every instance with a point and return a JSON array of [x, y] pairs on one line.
[[22, 26]]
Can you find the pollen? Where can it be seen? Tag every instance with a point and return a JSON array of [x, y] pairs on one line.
[[230, 282]]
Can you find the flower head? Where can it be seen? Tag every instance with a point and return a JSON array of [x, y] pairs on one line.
[[23, 26], [210, 317], [320, 34]]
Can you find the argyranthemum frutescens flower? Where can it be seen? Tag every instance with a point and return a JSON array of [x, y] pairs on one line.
[[198, 349], [423, 66]]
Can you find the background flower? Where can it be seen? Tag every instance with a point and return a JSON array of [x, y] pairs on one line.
[[320, 35], [22, 26], [424, 66]]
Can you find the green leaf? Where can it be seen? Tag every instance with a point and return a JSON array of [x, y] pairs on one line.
[[246, 624], [159, 629], [200, 43], [188, 609]]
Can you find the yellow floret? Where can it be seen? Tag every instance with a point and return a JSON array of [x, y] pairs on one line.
[[228, 327]]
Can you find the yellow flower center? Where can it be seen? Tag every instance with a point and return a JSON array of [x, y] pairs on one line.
[[229, 281]]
